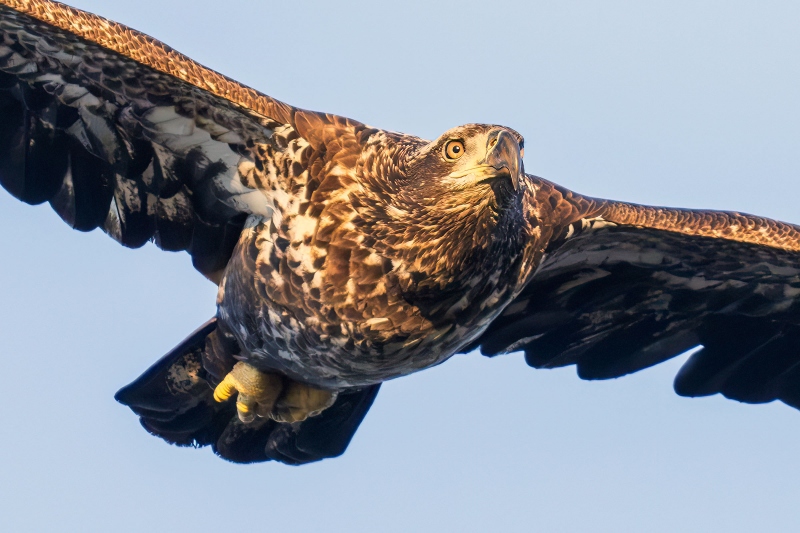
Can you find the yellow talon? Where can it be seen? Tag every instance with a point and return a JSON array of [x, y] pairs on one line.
[[263, 394], [257, 391], [225, 389]]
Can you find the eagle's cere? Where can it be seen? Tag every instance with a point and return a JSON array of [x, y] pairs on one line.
[[347, 255]]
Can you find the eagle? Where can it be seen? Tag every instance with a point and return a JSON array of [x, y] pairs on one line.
[[346, 255]]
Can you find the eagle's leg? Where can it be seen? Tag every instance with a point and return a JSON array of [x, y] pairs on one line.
[[300, 401], [258, 391], [270, 395]]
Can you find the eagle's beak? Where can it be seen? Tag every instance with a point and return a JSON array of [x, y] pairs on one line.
[[503, 153]]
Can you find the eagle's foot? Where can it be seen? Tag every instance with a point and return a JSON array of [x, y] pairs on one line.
[[271, 395], [301, 401], [258, 391]]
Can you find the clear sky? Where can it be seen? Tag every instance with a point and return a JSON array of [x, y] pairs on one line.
[[684, 103]]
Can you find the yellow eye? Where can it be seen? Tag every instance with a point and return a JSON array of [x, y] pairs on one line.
[[453, 150]]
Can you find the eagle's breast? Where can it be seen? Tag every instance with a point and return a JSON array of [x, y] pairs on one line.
[[315, 293]]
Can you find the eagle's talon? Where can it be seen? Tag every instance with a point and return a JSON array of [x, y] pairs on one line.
[[245, 408], [225, 389], [257, 390]]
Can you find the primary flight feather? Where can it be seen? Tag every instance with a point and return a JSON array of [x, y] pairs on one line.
[[347, 255]]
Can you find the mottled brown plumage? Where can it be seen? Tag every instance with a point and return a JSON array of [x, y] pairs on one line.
[[347, 255]]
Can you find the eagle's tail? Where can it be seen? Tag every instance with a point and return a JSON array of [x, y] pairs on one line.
[[174, 400]]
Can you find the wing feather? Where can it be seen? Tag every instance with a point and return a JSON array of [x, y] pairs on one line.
[[119, 131], [622, 287]]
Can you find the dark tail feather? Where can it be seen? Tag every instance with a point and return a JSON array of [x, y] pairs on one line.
[[174, 400]]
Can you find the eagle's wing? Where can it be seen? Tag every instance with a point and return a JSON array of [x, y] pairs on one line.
[[118, 131], [623, 287]]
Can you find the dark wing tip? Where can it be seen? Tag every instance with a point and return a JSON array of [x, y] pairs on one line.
[[751, 361]]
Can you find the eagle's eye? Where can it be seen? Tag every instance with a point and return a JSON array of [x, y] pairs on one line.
[[453, 150]]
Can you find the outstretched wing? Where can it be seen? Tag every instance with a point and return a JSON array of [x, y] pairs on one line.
[[118, 131], [624, 287]]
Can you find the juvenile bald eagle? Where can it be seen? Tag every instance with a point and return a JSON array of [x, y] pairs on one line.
[[347, 255]]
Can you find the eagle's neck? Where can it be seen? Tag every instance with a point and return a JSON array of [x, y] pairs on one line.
[[450, 256], [460, 271]]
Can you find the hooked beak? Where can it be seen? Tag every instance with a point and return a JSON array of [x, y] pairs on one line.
[[503, 153]]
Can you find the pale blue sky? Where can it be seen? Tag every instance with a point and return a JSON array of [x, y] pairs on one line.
[[688, 103]]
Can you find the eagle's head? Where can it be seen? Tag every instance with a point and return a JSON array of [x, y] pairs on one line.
[[447, 210], [474, 162]]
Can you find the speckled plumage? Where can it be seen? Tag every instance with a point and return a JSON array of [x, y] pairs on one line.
[[356, 279], [347, 255]]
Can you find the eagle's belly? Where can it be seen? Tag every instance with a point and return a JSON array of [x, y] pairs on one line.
[[334, 318]]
